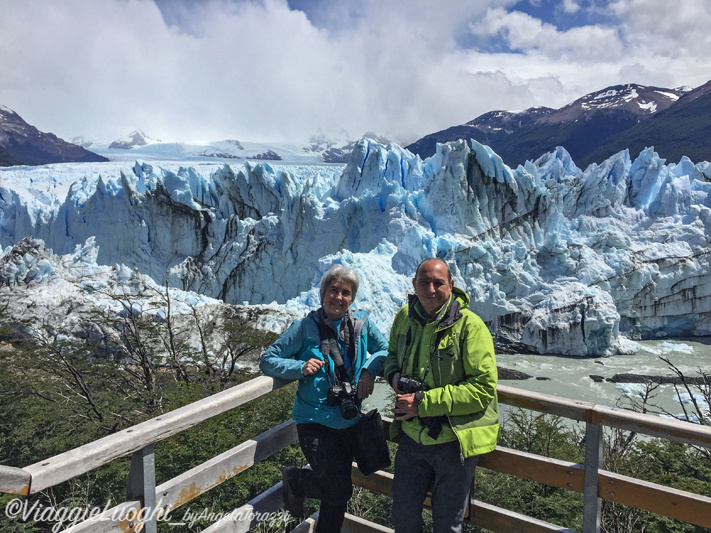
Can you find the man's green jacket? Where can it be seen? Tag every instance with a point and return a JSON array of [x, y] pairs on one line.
[[453, 354]]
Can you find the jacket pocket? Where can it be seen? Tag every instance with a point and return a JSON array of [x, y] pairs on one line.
[[449, 361]]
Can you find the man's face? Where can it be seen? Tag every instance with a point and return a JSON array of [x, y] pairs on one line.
[[432, 286]]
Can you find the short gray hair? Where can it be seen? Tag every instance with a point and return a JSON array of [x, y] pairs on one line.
[[339, 273]]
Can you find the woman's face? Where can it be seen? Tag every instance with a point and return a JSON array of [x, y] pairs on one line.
[[337, 299]]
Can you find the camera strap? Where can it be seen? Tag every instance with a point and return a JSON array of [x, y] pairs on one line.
[[408, 341], [334, 353], [330, 348]]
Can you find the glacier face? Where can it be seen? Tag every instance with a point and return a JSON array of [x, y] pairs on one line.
[[555, 258], [48, 298]]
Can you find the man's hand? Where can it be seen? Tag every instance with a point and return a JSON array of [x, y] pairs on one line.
[[365, 384], [395, 381], [406, 407]]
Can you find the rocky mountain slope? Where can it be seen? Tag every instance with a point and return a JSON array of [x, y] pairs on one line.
[[683, 129], [23, 144]]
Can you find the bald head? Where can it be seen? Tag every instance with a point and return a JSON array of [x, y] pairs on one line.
[[442, 261], [433, 284]]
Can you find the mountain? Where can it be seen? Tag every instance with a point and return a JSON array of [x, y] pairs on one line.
[[7, 159], [580, 127], [133, 140], [342, 154], [491, 129], [228, 150], [321, 148], [556, 259], [22, 144], [338, 149], [683, 129], [321, 141], [82, 141]]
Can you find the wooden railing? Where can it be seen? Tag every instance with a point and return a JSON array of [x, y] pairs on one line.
[[146, 502]]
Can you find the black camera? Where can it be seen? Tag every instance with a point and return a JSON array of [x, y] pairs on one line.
[[345, 397], [409, 385]]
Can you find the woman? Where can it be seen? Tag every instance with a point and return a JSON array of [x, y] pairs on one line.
[[324, 425]]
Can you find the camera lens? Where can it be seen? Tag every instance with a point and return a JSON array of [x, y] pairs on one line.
[[408, 384], [349, 409]]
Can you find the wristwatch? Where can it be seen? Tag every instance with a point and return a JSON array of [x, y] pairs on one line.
[[419, 395]]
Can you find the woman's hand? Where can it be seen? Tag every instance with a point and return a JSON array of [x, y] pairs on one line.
[[366, 383], [312, 366]]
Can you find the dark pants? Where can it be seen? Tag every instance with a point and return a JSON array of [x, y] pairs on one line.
[[330, 453], [439, 468]]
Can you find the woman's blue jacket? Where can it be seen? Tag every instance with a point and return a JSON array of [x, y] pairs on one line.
[[285, 359]]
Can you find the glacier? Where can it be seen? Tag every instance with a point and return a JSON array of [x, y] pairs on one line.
[[557, 260]]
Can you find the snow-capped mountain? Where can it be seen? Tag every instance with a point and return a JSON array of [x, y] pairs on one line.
[[228, 151], [337, 149], [321, 141], [133, 140], [681, 129], [82, 141], [581, 127], [23, 144], [555, 258], [320, 149], [638, 100]]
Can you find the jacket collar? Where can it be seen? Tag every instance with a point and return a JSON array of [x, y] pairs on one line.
[[354, 321], [323, 317]]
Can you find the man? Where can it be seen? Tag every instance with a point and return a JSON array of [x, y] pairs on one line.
[[454, 416]]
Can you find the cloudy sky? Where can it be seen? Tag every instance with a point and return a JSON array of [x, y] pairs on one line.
[[283, 70]]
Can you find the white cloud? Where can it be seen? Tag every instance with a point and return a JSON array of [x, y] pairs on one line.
[[670, 39], [641, 49], [258, 70], [670, 29], [532, 36], [571, 6]]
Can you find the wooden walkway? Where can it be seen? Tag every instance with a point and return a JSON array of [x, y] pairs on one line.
[[587, 478]]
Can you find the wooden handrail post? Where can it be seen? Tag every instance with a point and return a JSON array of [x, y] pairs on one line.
[[593, 463], [141, 486], [14, 480]]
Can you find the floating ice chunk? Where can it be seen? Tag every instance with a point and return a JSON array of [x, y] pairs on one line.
[[627, 346], [694, 400], [667, 347], [633, 391]]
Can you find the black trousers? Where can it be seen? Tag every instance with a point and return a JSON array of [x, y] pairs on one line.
[[330, 454]]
